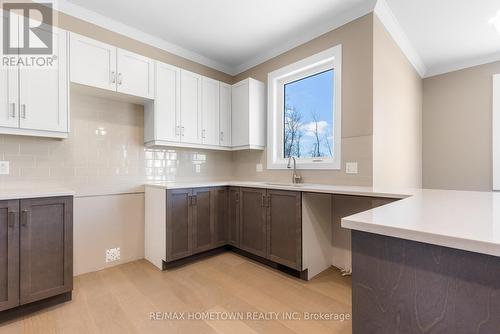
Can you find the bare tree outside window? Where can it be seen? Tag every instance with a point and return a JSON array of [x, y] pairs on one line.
[[308, 117]]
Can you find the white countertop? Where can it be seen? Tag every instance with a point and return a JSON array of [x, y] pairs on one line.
[[464, 220], [21, 191], [305, 187]]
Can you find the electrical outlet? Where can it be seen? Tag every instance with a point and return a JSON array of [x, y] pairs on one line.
[[351, 167], [4, 168], [259, 168], [197, 168], [112, 254]]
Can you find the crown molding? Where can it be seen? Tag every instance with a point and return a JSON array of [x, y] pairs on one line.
[[460, 65], [391, 24], [337, 21], [120, 28]]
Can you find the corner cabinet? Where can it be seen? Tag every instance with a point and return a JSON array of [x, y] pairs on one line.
[[184, 222], [193, 111], [103, 66], [38, 263], [35, 101]]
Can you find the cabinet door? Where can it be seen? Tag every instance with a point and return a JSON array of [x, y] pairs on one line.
[[9, 101], [190, 107], [9, 254], [167, 102], [233, 224], [225, 115], [46, 252], [284, 228], [210, 111], [135, 74], [179, 228], [92, 63], [202, 219], [253, 221], [43, 92], [221, 199]]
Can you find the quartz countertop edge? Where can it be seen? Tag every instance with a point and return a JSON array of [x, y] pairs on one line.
[[303, 187], [34, 192]]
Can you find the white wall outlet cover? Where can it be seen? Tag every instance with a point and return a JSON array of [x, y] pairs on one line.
[[351, 167], [113, 254], [4, 168], [197, 168], [259, 168]]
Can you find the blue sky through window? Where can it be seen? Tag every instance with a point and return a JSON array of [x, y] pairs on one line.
[[308, 116]]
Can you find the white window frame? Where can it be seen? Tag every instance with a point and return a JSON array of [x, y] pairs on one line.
[[276, 81], [496, 132]]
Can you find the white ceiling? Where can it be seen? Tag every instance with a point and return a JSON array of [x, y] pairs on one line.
[[449, 34], [234, 35]]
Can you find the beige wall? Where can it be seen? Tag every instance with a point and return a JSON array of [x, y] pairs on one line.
[[357, 89], [457, 129], [397, 114]]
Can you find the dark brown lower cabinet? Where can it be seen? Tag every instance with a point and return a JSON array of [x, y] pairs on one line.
[[253, 217], [221, 212], [9, 254], [179, 224], [46, 255], [233, 224], [284, 228], [202, 219], [36, 261]]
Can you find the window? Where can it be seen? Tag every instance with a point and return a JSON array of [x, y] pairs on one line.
[[304, 112]]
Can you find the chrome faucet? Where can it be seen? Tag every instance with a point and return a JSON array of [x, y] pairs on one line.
[[295, 178]]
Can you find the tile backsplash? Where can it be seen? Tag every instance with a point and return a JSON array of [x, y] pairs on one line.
[[105, 153]]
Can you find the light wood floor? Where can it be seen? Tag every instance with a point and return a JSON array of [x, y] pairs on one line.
[[120, 299]]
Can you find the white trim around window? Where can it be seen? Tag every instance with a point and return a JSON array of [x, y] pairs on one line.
[[320, 62], [496, 132]]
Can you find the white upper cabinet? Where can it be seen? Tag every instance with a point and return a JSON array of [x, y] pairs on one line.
[[190, 107], [248, 115], [43, 92], [34, 100], [134, 74], [101, 65], [93, 63], [162, 117], [225, 115], [210, 111], [9, 99]]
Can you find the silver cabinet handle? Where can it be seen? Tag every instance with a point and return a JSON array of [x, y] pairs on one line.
[[113, 77], [23, 111], [25, 218], [203, 132], [13, 110], [120, 78], [222, 136], [182, 131], [11, 219], [177, 131]]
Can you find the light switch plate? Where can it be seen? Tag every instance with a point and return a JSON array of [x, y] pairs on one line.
[[259, 168], [351, 168], [4, 168]]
